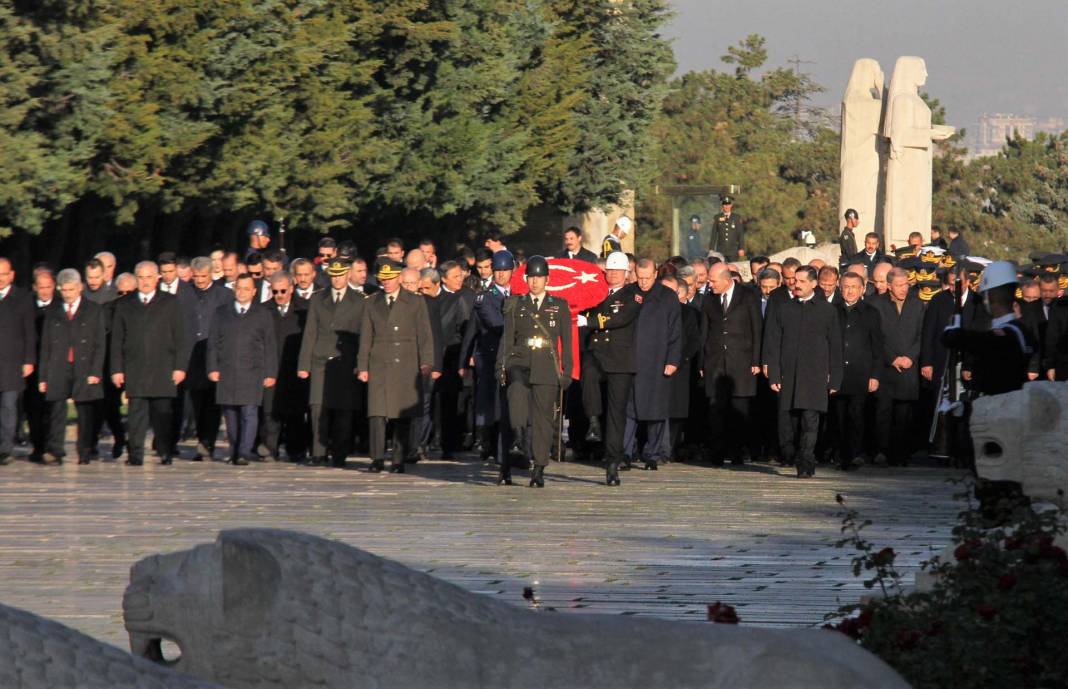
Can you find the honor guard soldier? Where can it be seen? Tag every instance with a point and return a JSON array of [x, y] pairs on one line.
[[847, 240], [614, 240], [728, 232], [612, 362], [478, 352], [532, 366]]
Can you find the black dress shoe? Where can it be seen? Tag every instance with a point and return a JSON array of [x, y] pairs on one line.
[[612, 475], [83, 460], [117, 449], [377, 466], [593, 435], [537, 478], [239, 462], [626, 465], [134, 462], [338, 462], [166, 460], [650, 465], [396, 468], [504, 475]]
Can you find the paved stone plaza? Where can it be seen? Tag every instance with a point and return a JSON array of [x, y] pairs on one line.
[[666, 543]]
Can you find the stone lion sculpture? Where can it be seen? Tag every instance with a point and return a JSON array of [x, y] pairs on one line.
[[36, 653], [1021, 436], [267, 608]]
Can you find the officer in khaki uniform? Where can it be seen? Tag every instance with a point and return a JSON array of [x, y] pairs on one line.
[[396, 351], [728, 232], [532, 366], [328, 357]]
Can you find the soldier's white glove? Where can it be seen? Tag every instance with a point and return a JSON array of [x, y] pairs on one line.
[[581, 320]]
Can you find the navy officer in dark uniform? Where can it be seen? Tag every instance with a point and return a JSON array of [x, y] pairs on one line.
[[728, 232], [611, 361], [478, 354], [532, 366]]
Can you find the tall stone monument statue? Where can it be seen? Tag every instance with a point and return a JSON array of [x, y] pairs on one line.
[[863, 156], [911, 136]]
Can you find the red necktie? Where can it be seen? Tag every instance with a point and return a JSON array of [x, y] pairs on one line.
[[70, 350]]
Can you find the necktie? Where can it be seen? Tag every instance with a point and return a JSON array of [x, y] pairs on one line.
[[389, 301], [723, 301], [70, 349], [537, 303], [337, 296], [241, 310], [144, 299]]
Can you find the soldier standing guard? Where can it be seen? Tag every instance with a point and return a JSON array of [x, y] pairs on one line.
[[396, 352], [530, 365], [728, 232]]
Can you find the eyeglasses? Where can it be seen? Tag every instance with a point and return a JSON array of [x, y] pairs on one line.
[[326, 255], [279, 291], [255, 273]]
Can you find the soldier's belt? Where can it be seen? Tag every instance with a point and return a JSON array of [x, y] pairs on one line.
[[537, 342]]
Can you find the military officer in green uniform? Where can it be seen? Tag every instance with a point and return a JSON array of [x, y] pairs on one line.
[[534, 361], [728, 232]]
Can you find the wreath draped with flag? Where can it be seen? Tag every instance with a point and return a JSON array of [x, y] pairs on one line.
[[580, 283]]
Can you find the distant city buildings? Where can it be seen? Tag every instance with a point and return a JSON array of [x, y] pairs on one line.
[[994, 129]]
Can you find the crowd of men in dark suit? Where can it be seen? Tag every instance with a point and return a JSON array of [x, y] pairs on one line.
[[314, 360]]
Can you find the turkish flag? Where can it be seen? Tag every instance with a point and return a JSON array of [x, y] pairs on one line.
[[580, 283]]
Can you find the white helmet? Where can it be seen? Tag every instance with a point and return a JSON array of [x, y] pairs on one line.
[[998, 273], [624, 224], [617, 260]]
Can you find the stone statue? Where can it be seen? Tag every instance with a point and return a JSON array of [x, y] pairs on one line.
[[36, 653], [266, 608], [863, 152], [907, 126], [1020, 436]]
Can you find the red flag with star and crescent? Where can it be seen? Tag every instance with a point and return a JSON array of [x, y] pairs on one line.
[[580, 283]]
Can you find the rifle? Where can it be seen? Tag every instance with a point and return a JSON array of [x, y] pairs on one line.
[[282, 234]]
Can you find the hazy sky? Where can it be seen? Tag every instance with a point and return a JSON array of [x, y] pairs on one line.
[[982, 55]]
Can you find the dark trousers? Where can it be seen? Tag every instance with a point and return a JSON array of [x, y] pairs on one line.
[[449, 410], [241, 424], [36, 410], [893, 419], [765, 422], [728, 425], [178, 413], [533, 405], [154, 412], [206, 415], [798, 431], [657, 437], [423, 425], [9, 416], [617, 392], [57, 427], [849, 413], [331, 431], [402, 430], [278, 427], [594, 379], [110, 411]]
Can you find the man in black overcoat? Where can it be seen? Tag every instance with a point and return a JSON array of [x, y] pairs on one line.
[[149, 357], [285, 406], [658, 345], [731, 331], [71, 365], [328, 359], [242, 361], [804, 355], [901, 319], [690, 326], [862, 353], [199, 302], [33, 400], [18, 353]]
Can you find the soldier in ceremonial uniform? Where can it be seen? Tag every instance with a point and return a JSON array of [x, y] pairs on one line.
[[396, 353], [611, 361], [728, 232], [614, 240], [847, 239], [328, 357], [532, 367]]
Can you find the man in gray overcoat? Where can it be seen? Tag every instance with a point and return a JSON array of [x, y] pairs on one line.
[[328, 357], [242, 361], [396, 352]]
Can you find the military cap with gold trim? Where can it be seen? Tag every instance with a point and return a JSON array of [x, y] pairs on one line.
[[912, 264], [388, 270], [928, 289], [338, 267]]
